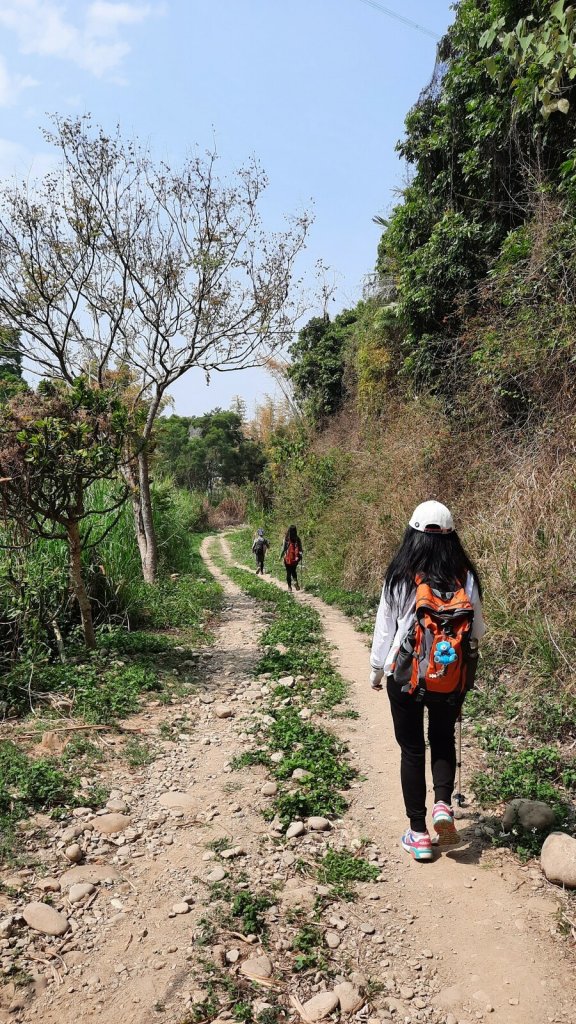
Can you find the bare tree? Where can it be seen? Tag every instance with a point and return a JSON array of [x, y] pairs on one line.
[[117, 262]]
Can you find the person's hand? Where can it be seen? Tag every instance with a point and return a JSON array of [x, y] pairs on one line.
[[376, 676]]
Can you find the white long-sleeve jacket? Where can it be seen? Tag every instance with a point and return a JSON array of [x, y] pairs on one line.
[[394, 619]]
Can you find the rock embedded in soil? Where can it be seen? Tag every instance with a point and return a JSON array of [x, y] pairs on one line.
[[73, 853], [108, 824], [119, 806], [89, 873], [349, 997], [217, 875], [180, 908], [321, 1006], [80, 891], [301, 775], [558, 859], [233, 851], [171, 799], [45, 919], [269, 789], [223, 711], [257, 967], [529, 814], [318, 824], [48, 884], [295, 829], [332, 939]]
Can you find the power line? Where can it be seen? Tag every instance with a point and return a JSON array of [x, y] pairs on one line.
[[400, 17]]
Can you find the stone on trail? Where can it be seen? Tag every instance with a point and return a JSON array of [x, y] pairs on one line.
[[529, 814], [349, 997], [174, 799], [89, 873], [301, 775], [45, 919], [558, 859], [74, 831], [48, 884], [257, 967], [80, 891], [73, 853], [233, 851], [269, 789], [120, 806], [223, 711], [321, 1006], [180, 908], [217, 875], [318, 824], [276, 757], [295, 829], [332, 939], [108, 824]]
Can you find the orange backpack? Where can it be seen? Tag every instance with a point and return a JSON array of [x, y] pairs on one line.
[[438, 656], [292, 555]]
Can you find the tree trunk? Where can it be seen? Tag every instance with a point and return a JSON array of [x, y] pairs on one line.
[[138, 479], [145, 521], [77, 580]]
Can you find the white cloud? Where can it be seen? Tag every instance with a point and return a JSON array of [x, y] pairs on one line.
[[11, 85], [92, 41]]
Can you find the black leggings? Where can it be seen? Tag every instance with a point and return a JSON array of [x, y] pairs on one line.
[[408, 719], [291, 574]]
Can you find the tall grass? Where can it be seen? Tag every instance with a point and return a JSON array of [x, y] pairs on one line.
[[37, 610], [514, 502]]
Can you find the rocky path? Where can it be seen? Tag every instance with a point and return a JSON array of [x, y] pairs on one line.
[[135, 885]]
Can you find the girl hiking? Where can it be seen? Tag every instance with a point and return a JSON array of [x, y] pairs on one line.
[[426, 645], [292, 556], [259, 548]]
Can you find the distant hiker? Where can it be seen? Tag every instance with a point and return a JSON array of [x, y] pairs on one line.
[[259, 549], [426, 645], [292, 555]]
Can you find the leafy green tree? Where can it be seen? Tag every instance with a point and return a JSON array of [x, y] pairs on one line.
[[204, 452], [484, 139], [54, 443], [318, 360]]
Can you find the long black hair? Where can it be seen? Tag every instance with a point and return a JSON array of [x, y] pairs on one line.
[[292, 535], [439, 557]]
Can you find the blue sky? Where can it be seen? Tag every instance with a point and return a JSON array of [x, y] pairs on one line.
[[317, 89]]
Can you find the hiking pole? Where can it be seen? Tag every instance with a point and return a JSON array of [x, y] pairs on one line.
[[459, 796]]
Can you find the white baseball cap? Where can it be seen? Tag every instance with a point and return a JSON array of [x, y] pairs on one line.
[[432, 517]]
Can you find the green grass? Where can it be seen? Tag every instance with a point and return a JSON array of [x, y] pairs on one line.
[[297, 629], [339, 868], [535, 774], [247, 911]]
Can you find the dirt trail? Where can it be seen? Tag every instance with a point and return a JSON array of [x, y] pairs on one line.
[[445, 940], [489, 919]]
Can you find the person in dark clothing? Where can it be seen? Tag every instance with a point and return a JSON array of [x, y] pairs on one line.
[[292, 556], [259, 549], [430, 551]]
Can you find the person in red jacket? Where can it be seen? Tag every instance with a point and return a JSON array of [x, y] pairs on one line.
[[292, 556]]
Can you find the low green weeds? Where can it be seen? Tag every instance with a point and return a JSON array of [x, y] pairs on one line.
[[339, 868], [535, 774]]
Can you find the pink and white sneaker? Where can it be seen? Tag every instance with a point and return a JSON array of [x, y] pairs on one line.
[[443, 821], [418, 844]]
